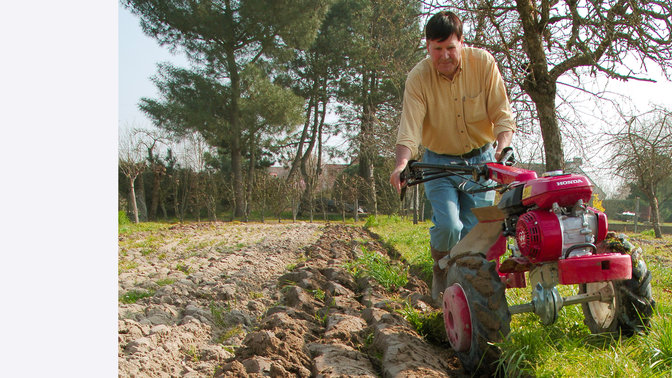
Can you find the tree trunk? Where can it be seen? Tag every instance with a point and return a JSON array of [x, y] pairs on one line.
[[356, 209], [654, 214], [134, 204], [311, 203], [235, 122], [367, 148], [176, 197], [237, 172], [140, 198], [263, 208], [250, 179], [158, 171], [551, 134], [185, 196], [540, 85], [342, 206]]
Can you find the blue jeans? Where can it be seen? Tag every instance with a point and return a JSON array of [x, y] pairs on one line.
[[451, 207]]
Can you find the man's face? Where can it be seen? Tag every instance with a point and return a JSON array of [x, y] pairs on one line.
[[446, 55]]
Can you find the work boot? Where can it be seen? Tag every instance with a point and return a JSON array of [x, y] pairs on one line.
[[438, 275]]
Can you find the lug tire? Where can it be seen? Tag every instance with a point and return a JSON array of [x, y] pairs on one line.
[[629, 312], [489, 313]]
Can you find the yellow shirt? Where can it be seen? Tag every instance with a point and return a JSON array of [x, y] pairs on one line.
[[454, 117]]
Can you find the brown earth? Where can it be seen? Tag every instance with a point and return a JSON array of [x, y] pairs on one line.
[[229, 299]]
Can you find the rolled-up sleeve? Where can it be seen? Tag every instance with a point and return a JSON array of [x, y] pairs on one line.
[[412, 114]]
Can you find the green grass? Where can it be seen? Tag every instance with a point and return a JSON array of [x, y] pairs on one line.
[[133, 296], [126, 265], [566, 348], [429, 325], [130, 228], [409, 240], [389, 274], [318, 294], [165, 281], [183, 268]]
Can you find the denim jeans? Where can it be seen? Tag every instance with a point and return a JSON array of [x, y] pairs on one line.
[[451, 207]]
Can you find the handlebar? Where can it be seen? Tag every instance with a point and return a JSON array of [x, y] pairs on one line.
[[417, 172]]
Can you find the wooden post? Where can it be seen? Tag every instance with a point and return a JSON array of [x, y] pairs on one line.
[[415, 204]]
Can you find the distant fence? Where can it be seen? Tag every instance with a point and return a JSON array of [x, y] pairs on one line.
[[629, 227]]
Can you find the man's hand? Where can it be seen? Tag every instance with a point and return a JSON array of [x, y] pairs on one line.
[[395, 178], [403, 154], [503, 141]]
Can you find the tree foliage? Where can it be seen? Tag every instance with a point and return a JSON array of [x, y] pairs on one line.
[[227, 42], [383, 45]]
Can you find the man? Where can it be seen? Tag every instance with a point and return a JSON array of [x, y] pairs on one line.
[[455, 105]]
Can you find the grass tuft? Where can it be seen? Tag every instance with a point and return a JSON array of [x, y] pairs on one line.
[[658, 350], [428, 325], [134, 295], [165, 282], [390, 275]]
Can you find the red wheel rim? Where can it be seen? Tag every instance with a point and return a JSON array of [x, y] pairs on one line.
[[457, 318]]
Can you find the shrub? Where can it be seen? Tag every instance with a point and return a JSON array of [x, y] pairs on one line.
[[123, 218]]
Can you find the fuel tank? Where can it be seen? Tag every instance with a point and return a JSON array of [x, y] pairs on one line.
[[565, 189]]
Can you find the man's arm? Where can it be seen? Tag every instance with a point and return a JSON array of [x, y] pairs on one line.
[[403, 154], [499, 108]]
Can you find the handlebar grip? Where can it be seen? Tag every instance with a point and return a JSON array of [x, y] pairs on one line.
[[506, 157]]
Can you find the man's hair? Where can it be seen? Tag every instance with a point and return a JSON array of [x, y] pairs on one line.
[[442, 25]]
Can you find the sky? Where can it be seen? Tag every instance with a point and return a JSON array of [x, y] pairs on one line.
[[138, 58]]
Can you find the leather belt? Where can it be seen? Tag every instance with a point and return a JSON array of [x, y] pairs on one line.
[[472, 153]]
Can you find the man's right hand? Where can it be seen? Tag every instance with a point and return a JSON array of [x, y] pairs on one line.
[[403, 154], [395, 178]]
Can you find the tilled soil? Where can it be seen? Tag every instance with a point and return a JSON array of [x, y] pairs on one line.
[[227, 299]]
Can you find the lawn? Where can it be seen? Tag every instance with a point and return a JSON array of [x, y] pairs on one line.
[[566, 348]]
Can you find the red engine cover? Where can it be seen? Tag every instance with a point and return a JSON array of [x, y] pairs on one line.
[[566, 190], [539, 236]]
